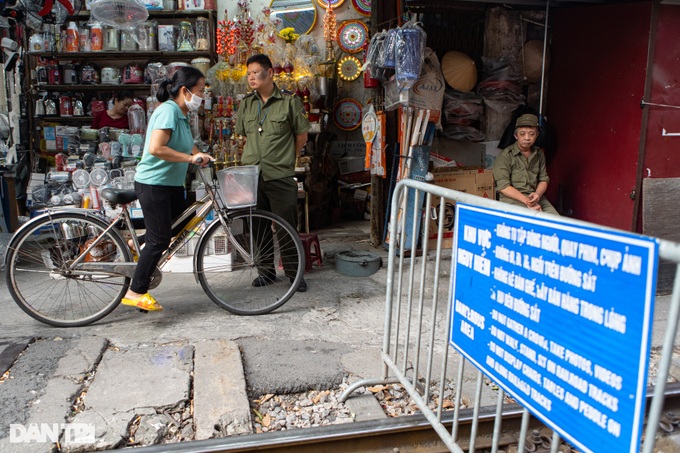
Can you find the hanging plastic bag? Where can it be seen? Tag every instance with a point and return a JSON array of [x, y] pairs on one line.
[[372, 56], [386, 55], [409, 55]]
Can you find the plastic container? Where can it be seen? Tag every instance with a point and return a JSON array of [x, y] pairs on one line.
[[72, 38], [127, 41], [89, 74], [202, 64], [148, 37], [84, 44], [133, 73], [65, 105], [36, 43], [186, 39], [96, 37], [111, 39], [110, 76], [202, 39], [70, 74], [136, 119], [238, 186]]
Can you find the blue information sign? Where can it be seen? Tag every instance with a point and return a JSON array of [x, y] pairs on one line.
[[560, 317]]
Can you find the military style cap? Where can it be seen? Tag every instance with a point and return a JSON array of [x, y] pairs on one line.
[[527, 120]]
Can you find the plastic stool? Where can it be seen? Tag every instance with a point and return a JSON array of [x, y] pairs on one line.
[[310, 241]]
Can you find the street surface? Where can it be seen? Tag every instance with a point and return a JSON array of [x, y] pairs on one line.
[[187, 372]]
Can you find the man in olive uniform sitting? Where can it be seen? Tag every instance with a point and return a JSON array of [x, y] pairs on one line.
[[275, 125], [519, 170]]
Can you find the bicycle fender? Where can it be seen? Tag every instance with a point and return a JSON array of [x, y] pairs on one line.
[[87, 212]]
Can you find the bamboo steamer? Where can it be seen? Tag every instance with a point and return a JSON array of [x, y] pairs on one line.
[[533, 59], [459, 70]]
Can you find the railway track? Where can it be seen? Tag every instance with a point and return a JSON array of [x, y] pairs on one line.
[[394, 435]]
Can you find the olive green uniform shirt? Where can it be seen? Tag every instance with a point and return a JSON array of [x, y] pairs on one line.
[[511, 168], [280, 120]]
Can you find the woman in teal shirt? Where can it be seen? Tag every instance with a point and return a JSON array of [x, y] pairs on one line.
[[159, 179]]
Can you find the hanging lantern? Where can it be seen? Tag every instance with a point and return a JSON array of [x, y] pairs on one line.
[[459, 71]]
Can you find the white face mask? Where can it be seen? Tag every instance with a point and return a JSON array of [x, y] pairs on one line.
[[194, 103]]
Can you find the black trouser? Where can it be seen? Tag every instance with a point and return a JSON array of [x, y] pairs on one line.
[[278, 196], [161, 205]]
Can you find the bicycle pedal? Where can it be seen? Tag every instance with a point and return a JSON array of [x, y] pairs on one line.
[[141, 310]]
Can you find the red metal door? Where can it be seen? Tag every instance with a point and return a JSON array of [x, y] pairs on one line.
[[596, 85]]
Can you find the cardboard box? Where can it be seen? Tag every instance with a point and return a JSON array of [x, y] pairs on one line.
[[197, 4], [49, 133], [490, 152], [475, 181], [351, 165], [428, 93], [61, 131], [166, 38], [467, 154]]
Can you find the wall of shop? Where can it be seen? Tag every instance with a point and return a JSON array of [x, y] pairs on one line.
[[662, 159], [343, 12], [597, 79]]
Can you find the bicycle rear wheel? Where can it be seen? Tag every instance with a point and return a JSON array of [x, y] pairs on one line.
[[228, 278], [40, 276]]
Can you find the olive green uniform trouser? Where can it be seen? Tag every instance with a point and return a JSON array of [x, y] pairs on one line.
[[278, 196], [545, 204]]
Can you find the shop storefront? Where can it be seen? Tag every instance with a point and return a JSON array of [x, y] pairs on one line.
[[603, 83]]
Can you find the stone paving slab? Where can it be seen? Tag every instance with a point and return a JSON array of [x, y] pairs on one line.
[[220, 399], [41, 388], [130, 382], [10, 350], [365, 407], [28, 380], [273, 366]]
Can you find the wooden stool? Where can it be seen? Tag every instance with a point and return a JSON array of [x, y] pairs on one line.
[[310, 241]]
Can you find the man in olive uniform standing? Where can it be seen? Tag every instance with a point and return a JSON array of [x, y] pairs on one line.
[[520, 171], [275, 125]]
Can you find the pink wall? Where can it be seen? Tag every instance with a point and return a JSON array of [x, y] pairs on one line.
[[597, 78]]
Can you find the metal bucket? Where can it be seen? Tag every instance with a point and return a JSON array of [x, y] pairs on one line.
[[357, 263]]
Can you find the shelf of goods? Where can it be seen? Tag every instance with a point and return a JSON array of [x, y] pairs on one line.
[[134, 54], [43, 57], [95, 87], [65, 119]]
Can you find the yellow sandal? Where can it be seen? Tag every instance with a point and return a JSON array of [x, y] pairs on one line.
[[146, 302], [133, 251]]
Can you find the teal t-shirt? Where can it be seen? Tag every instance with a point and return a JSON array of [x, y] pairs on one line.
[[158, 172]]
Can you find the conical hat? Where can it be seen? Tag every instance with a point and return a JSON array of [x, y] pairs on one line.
[[459, 71], [533, 60]]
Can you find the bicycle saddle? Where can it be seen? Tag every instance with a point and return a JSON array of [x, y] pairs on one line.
[[119, 196]]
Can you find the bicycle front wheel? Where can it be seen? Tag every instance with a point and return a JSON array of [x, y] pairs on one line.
[[44, 282], [261, 279]]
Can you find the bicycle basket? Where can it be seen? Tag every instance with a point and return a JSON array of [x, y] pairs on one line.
[[238, 186]]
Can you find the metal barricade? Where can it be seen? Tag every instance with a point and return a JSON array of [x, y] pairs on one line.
[[416, 353]]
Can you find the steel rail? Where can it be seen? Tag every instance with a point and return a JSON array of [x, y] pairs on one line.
[[412, 433]]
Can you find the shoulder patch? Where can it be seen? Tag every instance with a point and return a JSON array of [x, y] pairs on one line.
[[287, 92], [249, 94]]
